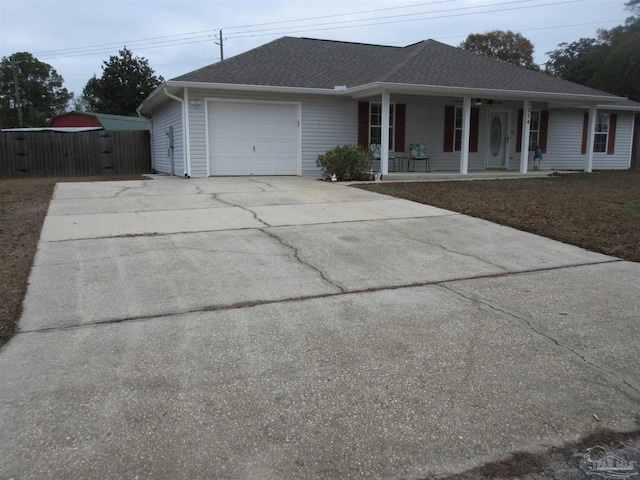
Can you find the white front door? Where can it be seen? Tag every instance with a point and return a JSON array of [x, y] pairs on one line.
[[498, 141], [247, 138]]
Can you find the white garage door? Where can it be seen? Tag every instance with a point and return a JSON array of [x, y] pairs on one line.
[[253, 138]]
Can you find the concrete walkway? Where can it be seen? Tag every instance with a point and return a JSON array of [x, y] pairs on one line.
[[286, 328]]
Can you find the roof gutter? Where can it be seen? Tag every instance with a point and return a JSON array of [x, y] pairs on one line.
[[159, 90], [626, 108], [256, 88], [438, 90]]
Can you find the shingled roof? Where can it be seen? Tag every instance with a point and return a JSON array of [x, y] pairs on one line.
[[324, 64]]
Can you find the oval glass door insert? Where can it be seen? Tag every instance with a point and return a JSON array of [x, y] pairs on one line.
[[496, 136]]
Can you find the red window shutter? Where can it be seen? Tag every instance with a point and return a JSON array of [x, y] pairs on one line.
[[474, 127], [363, 124], [544, 129], [401, 115], [519, 136], [449, 119], [585, 128], [611, 145]]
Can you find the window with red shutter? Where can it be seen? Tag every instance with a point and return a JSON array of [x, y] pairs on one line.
[[453, 129], [369, 131], [539, 130]]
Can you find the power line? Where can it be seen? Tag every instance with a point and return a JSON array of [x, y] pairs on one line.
[[100, 52], [391, 16], [91, 49], [117, 44], [173, 40], [73, 75], [340, 14], [414, 19], [402, 42], [517, 30]]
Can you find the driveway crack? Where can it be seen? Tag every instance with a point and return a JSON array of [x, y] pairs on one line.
[[299, 259], [265, 183], [153, 251], [625, 384], [125, 189], [446, 249], [254, 214]]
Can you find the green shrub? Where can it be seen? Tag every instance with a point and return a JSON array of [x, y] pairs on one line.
[[348, 162]]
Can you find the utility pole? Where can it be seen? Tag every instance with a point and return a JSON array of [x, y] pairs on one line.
[[14, 67], [221, 45]]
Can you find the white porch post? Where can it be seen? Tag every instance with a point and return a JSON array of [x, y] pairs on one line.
[[526, 133], [384, 141], [466, 129], [591, 135]]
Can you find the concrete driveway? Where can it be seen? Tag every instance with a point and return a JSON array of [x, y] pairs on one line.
[[276, 327]]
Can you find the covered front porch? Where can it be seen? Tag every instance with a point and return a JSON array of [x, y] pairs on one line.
[[486, 131]]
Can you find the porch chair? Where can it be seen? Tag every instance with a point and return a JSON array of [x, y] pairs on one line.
[[375, 151], [417, 151]]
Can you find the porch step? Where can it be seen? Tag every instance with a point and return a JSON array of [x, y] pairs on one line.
[[440, 176]]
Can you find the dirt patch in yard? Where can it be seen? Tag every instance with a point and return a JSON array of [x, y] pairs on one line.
[[23, 206], [598, 211]]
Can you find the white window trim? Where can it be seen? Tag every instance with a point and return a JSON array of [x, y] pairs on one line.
[[392, 124], [532, 145], [607, 117], [456, 129]]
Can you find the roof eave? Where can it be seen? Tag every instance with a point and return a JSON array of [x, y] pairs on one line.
[[375, 88], [152, 100], [438, 90], [155, 97], [254, 88], [626, 108]]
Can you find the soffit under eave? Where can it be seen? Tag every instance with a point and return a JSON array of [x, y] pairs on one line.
[[158, 97], [566, 99]]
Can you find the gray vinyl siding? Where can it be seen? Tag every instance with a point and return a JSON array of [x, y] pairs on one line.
[[328, 121], [425, 124], [197, 133], [169, 114], [325, 123], [564, 146]]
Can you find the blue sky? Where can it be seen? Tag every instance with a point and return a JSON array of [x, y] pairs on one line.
[[75, 37]]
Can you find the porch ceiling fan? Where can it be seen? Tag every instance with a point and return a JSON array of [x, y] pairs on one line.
[[477, 102]]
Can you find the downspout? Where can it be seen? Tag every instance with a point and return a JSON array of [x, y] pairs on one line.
[[184, 150], [187, 173]]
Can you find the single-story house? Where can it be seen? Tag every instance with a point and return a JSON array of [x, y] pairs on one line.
[[274, 109], [108, 122]]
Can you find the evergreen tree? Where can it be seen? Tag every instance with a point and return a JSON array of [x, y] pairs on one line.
[[31, 92], [125, 82]]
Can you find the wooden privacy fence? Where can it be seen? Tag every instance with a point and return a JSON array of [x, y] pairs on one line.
[[57, 154]]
